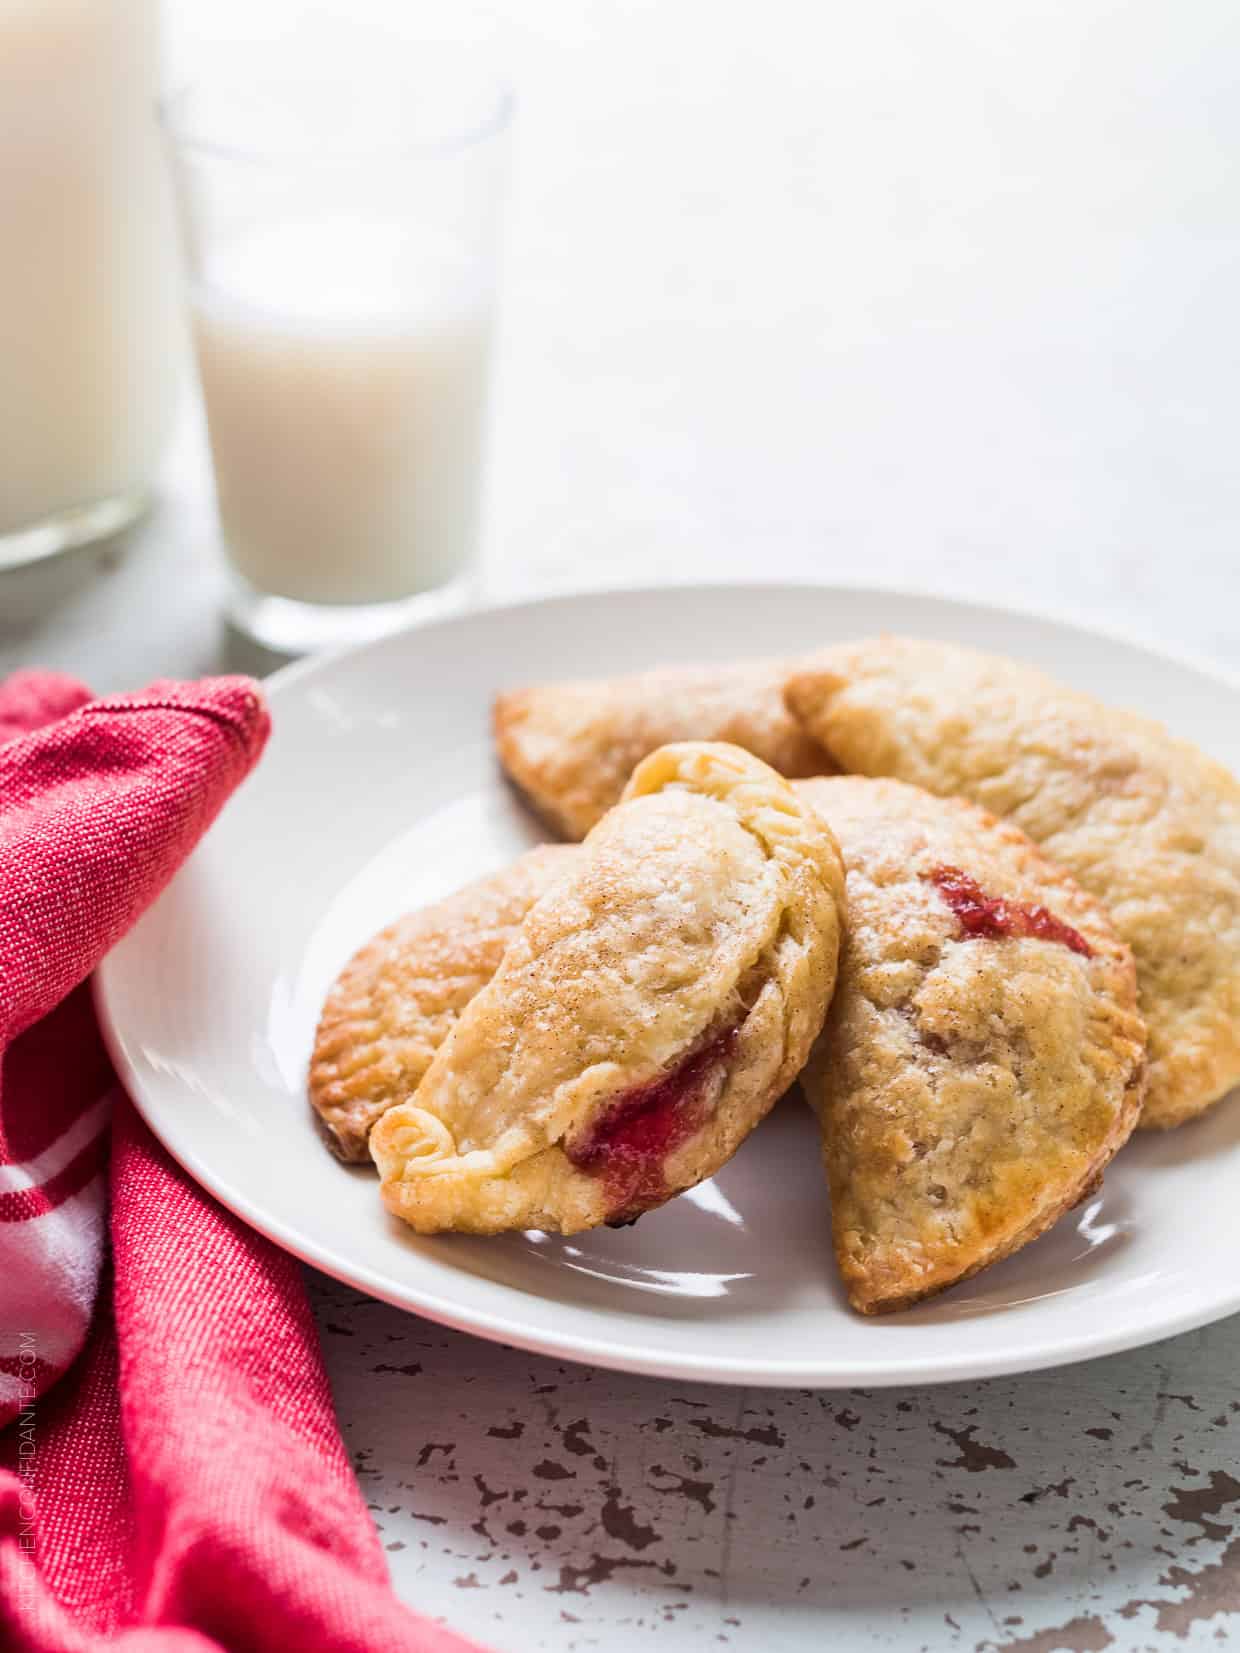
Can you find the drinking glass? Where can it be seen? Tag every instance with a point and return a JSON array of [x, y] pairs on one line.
[[89, 347], [340, 221]]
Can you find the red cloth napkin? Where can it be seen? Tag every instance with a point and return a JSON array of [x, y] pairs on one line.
[[171, 1478]]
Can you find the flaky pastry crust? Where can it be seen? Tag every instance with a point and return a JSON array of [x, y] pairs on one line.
[[399, 996], [572, 746], [983, 1057], [1145, 822], [654, 1004]]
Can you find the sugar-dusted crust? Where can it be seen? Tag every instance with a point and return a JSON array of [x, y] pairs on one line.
[[571, 747], [398, 997], [1147, 823], [969, 1089], [703, 912]]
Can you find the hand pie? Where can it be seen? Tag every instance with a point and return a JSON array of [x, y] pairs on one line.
[[398, 997], [1148, 824], [982, 1059], [654, 1004], [571, 747]]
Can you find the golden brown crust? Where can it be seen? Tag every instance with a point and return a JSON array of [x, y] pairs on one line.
[[970, 1085], [1147, 823], [572, 746], [399, 996], [701, 919]]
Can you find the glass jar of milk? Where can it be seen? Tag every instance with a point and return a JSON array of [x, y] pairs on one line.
[[88, 359], [341, 232]]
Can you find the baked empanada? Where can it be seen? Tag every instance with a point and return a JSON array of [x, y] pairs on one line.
[[983, 1057], [1147, 823], [396, 1000], [571, 747], [654, 1004]]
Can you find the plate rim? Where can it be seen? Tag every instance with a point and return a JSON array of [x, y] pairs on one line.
[[1065, 616], [1005, 1360]]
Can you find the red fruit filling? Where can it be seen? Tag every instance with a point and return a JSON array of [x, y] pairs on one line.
[[629, 1143], [992, 917]]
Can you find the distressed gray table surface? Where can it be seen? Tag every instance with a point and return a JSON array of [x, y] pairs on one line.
[[941, 296], [540, 1505]]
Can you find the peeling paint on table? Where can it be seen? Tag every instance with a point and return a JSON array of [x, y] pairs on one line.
[[537, 1505]]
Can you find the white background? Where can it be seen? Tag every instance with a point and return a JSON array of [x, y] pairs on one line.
[[939, 293]]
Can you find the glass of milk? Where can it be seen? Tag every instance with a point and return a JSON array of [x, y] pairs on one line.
[[89, 342], [340, 220]]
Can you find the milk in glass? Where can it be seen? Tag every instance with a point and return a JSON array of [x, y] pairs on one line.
[[87, 304], [343, 364]]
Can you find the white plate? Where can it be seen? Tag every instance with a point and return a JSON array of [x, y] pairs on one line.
[[379, 793]]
